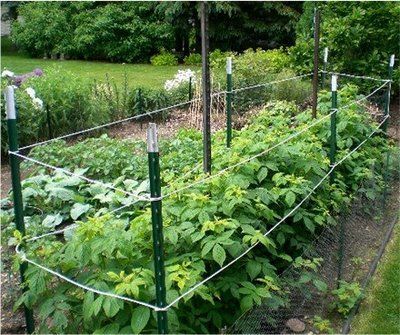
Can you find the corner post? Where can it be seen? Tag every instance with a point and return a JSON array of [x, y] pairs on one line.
[[157, 225], [324, 67], [387, 96], [228, 101], [16, 188], [332, 151]]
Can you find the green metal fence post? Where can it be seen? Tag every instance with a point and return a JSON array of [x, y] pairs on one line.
[[157, 225], [332, 159], [228, 101], [190, 89], [387, 96], [16, 188], [332, 152], [48, 119], [325, 65]]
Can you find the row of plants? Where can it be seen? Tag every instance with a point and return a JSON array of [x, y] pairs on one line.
[[204, 227], [73, 103]]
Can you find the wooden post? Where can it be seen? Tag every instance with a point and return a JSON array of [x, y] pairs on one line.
[[315, 74], [206, 88]]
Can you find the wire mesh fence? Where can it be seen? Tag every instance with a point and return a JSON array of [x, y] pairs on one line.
[[364, 224]]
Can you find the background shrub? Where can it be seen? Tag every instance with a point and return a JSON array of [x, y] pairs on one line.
[[360, 36], [164, 58], [192, 59]]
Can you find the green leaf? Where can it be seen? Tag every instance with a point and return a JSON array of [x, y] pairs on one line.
[[51, 221], [207, 247], [246, 303], [290, 198], [140, 317], [309, 224], [97, 305], [219, 254], [253, 268], [262, 174], [87, 309], [77, 210], [111, 306]]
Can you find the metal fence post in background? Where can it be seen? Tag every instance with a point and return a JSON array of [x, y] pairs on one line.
[[228, 101], [157, 225], [16, 189], [332, 151], [139, 106], [332, 159], [324, 67], [387, 96], [49, 127], [190, 89], [316, 58]]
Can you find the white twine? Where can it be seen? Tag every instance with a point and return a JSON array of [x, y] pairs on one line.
[[354, 76], [93, 181], [277, 224], [84, 287], [289, 138], [152, 112], [155, 308]]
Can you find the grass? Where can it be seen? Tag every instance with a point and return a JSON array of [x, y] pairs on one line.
[[380, 312], [144, 75]]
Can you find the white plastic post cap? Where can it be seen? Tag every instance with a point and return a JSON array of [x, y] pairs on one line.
[[334, 83], [229, 65], [152, 143], [10, 102], [325, 54], [391, 64]]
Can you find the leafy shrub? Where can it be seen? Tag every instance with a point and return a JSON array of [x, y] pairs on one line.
[[208, 226], [346, 296], [164, 58], [192, 59], [360, 37], [254, 67], [69, 99], [124, 32]]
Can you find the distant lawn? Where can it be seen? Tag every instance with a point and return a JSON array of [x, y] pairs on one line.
[[145, 75], [380, 312]]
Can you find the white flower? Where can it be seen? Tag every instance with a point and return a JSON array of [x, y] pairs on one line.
[[183, 76], [7, 73], [31, 92], [38, 103]]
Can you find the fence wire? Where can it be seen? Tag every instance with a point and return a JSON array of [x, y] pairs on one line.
[[365, 224]]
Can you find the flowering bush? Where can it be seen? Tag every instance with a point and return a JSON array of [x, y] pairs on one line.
[[183, 76]]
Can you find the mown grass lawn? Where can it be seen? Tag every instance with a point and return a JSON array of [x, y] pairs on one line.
[[145, 75], [380, 311]]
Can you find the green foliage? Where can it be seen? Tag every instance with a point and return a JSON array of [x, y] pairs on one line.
[[346, 296], [117, 32], [164, 58], [360, 37], [254, 67], [70, 100], [192, 59], [323, 326], [204, 228]]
